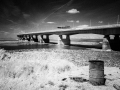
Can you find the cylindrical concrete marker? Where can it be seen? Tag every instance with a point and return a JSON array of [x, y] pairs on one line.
[[96, 72]]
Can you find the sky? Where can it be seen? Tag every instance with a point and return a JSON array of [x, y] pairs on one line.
[[24, 16]]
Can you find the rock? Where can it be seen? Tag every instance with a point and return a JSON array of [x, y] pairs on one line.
[[117, 87], [51, 83], [78, 79], [64, 79], [63, 87]]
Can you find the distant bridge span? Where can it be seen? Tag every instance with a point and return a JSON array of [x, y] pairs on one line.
[[105, 30]]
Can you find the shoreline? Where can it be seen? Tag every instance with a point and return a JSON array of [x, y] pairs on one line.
[[70, 54]]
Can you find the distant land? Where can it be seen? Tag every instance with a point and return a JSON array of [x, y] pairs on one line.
[[8, 39]]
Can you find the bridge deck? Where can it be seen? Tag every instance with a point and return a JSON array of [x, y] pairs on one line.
[[104, 30]]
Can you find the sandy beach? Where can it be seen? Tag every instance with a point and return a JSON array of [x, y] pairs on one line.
[[55, 69]]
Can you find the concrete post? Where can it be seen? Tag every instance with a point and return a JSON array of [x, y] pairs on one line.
[[96, 72]]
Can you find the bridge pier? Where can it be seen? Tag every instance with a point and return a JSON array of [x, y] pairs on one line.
[[20, 38], [40, 39], [105, 43], [114, 42], [28, 37], [35, 38], [64, 40], [23, 38], [45, 38]]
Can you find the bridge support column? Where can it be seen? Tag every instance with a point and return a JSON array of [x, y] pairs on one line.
[[40, 39], [115, 43], [106, 44], [45, 38], [23, 38], [64, 40], [35, 38], [20, 38], [28, 37]]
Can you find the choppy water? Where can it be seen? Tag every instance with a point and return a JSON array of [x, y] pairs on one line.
[[83, 44]]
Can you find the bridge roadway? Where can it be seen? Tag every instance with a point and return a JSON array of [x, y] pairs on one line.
[[106, 30]]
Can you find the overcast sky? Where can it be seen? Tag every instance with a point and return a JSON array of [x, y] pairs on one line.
[[20, 16]]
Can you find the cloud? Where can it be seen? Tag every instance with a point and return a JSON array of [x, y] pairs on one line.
[[73, 21], [4, 32], [12, 21], [26, 15], [100, 22], [73, 11], [70, 21], [22, 32], [50, 22], [77, 21], [82, 26]]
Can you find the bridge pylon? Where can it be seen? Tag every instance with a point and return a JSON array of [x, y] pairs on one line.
[[114, 42], [35, 38], [105, 44], [64, 39], [28, 37], [46, 38]]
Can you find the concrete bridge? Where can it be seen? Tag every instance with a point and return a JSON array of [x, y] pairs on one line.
[[106, 30]]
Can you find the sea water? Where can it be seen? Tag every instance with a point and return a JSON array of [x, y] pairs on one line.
[[75, 44]]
